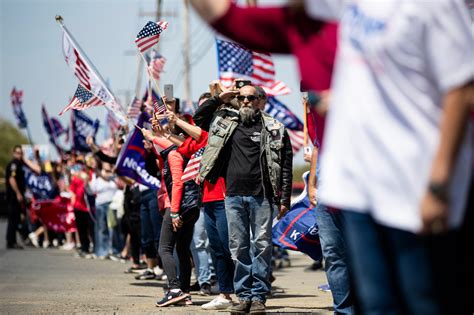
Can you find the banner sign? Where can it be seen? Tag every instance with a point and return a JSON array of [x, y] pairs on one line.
[[131, 160], [298, 229], [41, 186]]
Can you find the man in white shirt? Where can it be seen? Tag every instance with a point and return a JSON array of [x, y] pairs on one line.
[[398, 146]]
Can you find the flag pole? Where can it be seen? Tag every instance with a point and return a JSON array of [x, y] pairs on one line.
[[152, 79], [305, 120], [60, 20], [28, 133]]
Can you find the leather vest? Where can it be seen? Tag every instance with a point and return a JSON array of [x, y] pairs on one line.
[[271, 144]]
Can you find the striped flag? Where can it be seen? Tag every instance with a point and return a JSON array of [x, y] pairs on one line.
[[236, 61], [134, 108], [17, 102], [159, 107], [156, 63], [293, 125], [82, 99], [192, 168], [112, 123], [88, 76], [150, 35]]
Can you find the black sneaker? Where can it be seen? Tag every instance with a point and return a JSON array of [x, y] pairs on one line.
[[242, 308], [257, 307], [136, 269], [147, 275], [205, 289], [314, 266], [171, 298], [15, 246], [195, 287]]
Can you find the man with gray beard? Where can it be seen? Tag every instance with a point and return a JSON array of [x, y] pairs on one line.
[[252, 151]]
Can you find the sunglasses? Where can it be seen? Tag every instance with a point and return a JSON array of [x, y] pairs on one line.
[[249, 97]]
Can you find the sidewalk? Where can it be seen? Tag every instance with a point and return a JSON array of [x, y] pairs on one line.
[[53, 281]]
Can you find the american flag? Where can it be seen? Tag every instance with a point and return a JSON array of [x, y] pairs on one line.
[[75, 60], [17, 102], [149, 35], [88, 76], [192, 168], [293, 125], [82, 99], [134, 108], [159, 107], [112, 123], [236, 61], [156, 62]]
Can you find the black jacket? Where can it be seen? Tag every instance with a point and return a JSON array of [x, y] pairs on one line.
[[203, 118]]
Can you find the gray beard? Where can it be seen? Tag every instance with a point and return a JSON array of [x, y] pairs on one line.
[[247, 115]]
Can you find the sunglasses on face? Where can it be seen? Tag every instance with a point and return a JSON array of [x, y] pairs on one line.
[[251, 98]]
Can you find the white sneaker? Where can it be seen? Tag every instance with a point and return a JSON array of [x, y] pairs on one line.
[[219, 303], [34, 239], [67, 246], [45, 244]]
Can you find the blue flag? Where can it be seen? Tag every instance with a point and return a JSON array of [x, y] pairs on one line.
[[17, 102], [131, 160], [82, 127], [298, 229], [41, 186], [280, 112], [50, 129]]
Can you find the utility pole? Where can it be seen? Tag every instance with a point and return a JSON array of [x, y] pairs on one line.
[[186, 52]]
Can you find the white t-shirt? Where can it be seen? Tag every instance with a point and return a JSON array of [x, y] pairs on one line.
[[395, 60], [104, 190]]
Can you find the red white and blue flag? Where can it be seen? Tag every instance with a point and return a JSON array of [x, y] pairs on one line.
[[235, 61], [82, 99], [156, 63], [192, 168], [134, 108], [17, 102], [112, 124], [150, 35], [293, 125], [88, 76]]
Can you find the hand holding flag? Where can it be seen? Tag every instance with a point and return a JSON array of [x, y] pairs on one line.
[[148, 37]]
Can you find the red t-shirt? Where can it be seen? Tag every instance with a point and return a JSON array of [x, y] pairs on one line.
[[78, 188], [211, 192]]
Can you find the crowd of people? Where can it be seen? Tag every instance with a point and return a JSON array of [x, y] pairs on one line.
[[222, 226], [392, 187]]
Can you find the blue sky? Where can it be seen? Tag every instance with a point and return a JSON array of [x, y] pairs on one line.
[[31, 57]]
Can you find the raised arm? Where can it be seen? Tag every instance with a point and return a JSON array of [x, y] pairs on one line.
[[257, 28]]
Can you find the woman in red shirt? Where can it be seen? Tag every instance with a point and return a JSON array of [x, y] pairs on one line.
[[84, 222]]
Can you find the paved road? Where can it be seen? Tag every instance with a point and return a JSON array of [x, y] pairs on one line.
[[54, 281]]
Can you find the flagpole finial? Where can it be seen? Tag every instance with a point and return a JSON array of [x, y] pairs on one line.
[[59, 19]]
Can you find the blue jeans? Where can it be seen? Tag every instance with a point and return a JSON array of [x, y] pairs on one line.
[[216, 226], [118, 240], [331, 228], [252, 253], [101, 231], [393, 271], [151, 221], [200, 251]]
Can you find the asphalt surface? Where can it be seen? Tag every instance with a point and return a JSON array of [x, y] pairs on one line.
[[46, 281]]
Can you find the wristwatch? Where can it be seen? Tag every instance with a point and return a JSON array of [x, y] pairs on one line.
[[439, 190]]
